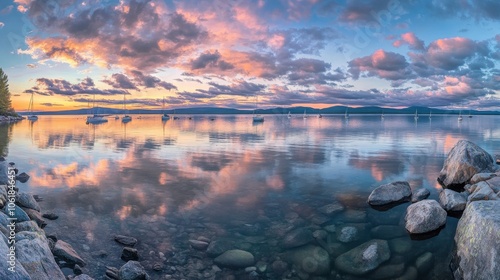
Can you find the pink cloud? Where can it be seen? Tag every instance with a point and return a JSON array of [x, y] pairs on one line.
[[410, 39], [386, 65]]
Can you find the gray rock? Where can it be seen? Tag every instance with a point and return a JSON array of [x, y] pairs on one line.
[[320, 234], [424, 262], [77, 269], [198, 245], [478, 241], [19, 214], [388, 271], [347, 234], [217, 247], [424, 216], [125, 240], [297, 237], [4, 219], [50, 216], [23, 177], [83, 277], [464, 161], [129, 254], [331, 209], [390, 193], [451, 200], [235, 259], [3, 195], [479, 177], [310, 259], [65, 252], [29, 226], [364, 258], [330, 228], [482, 191], [401, 245], [419, 194], [27, 201], [387, 231], [19, 273], [35, 216], [4, 179], [132, 270], [494, 183], [35, 256]]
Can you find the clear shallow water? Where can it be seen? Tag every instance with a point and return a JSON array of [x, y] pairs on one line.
[[229, 179]]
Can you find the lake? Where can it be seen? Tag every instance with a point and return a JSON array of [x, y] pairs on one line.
[[243, 184]]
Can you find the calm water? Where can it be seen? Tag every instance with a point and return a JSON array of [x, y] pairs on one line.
[[166, 183]]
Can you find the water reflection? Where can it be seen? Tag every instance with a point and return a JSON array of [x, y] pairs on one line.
[[147, 175]]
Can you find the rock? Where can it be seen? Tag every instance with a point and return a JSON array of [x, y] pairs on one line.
[[279, 267], [494, 183], [132, 270], [35, 216], [451, 200], [217, 247], [34, 255], [331, 209], [112, 272], [387, 231], [4, 179], [83, 277], [198, 245], [297, 237], [250, 229], [129, 254], [390, 193], [347, 234], [464, 161], [65, 252], [19, 273], [310, 259], [19, 214], [400, 245], [235, 259], [50, 216], [424, 216], [388, 271], [320, 234], [77, 270], [363, 258], [261, 267], [479, 177], [424, 262], [27, 201], [28, 226], [330, 228], [482, 191], [478, 241], [23, 177], [125, 240], [419, 194]]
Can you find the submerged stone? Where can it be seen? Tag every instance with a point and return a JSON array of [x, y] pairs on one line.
[[297, 237], [235, 259], [310, 259], [364, 258], [399, 191], [125, 240]]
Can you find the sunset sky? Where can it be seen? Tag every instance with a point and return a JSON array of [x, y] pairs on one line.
[[390, 53]]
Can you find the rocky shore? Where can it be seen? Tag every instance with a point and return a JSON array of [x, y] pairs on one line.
[[329, 239], [10, 119]]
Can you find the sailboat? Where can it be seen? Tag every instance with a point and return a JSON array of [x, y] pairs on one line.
[[305, 115], [31, 117], [175, 117], [95, 118], [460, 116], [320, 116], [382, 116], [289, 114], [165, 116], [257, 118], [346, 115], [430, 115], [470, 115], [126, 118], [416, 115]]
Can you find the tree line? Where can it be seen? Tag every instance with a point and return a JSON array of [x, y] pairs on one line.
[[6, 108]]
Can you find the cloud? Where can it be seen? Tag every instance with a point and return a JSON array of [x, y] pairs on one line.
[[31, 65], [386, 65], [480, 9], [149, 81], [411, 40], [138, 79], [49, 87], [48, 104], [120, 81], [210, 60], [2, 24], [372, 12]]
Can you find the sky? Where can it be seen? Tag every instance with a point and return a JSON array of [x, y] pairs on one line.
[[248, 54]]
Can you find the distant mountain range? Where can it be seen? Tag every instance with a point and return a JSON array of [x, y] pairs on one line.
[[277, 110]]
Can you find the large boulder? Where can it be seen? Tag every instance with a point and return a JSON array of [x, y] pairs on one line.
[[482, 191], [464, 161], [452, 201], [390, 193], [310, 259], [364, 258], [27, 200], [133, 270], [18, 273], [478, 241], [424, 216], [65, 252], [235, 259], [19, 214], [34, 254]]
